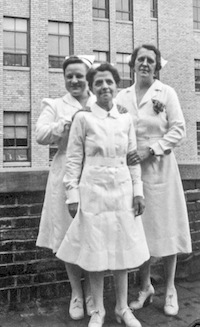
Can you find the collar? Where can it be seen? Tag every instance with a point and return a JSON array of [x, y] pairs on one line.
[[69, 99], [102, 114]]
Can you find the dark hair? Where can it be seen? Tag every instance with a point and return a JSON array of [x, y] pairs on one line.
[[148, 47], [102, 68], [72, 60]]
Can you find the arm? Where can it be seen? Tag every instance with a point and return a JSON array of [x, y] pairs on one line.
[[74, 159], [135, 171], [48, 130], [176, 129]]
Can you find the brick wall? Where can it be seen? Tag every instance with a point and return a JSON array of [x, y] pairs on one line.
[[28, 272]]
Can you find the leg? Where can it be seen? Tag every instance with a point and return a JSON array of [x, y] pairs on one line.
[[170, 270], [87, 293], [97, 285], [76, 310], [171, 301], [122, 311], [147, 291]]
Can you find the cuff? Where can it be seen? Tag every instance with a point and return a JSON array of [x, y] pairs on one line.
[[138, 189], [73, 196]]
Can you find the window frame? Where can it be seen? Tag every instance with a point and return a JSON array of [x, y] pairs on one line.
[[97, 52], [124, 62], [97, 9], [15, 53], [19, 147], [58, 59], [121, 12], [198, 138]]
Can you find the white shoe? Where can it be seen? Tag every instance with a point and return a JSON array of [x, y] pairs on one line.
[[89, 305], [144, 298], [127, 317], [76, 310], [97, 319], [171, 304]]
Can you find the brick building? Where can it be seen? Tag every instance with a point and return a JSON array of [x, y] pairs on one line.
[[35, 36]]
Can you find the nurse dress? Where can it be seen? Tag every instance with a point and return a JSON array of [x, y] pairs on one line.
[[104, 234], [53, 128], [165, 218]]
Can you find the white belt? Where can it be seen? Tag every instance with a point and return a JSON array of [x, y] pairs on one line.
[[105, 161]]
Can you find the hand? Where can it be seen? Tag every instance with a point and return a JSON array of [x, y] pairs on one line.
[[133, 158], [73, 208], [138, 205]]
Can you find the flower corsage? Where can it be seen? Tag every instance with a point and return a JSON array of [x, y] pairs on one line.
[[158, 106]]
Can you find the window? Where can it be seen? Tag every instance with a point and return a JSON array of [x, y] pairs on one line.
[[15, 37], [16, 137], [198, 138], [154, 9], [197, 74], [124, 10], [59, 43], [124, 70], [100, 8], [196, 14], [101, 56]]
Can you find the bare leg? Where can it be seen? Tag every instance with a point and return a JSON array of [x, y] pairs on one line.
[[170, 270], [121, 288], [97, 286], [87, 288], [74, 273]]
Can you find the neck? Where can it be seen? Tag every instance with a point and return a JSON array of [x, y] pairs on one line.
[[106, 106], [83, 98], [144, 84]]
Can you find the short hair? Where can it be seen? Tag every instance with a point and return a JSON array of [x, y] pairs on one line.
[[73, 60], [148, 47], [106, 66]]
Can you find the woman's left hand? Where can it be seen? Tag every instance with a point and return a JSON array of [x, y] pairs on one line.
[[138, 205]]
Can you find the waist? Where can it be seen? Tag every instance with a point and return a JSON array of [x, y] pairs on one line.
[[105, 161]]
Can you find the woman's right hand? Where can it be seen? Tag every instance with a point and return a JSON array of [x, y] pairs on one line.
[[133, 158], [73, 208]]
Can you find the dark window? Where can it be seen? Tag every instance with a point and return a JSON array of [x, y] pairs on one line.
[[198, 138], [101, 56], [59, 43], [196, 14], [124, 70], [16, 137], [100, 8], [15, 42], [124, 10], [197, 74], [154, 9]]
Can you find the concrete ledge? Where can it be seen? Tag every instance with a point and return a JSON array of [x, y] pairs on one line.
[[189, 171]]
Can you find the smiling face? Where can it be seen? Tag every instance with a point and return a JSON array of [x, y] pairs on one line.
[[104, 87], [145, 64], [75, 79]]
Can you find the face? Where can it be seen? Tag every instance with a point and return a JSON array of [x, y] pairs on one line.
[[75, 79], [145, 63], [104, 87]]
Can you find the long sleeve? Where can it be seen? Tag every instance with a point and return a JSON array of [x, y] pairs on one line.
[[176, 125], [74, 159], [135, 170], [48, 130]]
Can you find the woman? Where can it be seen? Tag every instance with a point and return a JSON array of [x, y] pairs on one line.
[[160, 127], [105, 234], [53, 128]]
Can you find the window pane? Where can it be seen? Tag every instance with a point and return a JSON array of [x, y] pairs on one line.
[[118, 5], [125, 16], [102, 13], [21, 42], [64, 46], [53, 28], [8, 142], [102, 4], [9, 155], [9, 24], [64, 29], [9, 133], [21, 25], [9, 42], [9, 119], [125, 5], [21, 132], [21, 119], [95, 3], [21, 155], [53, 45]]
